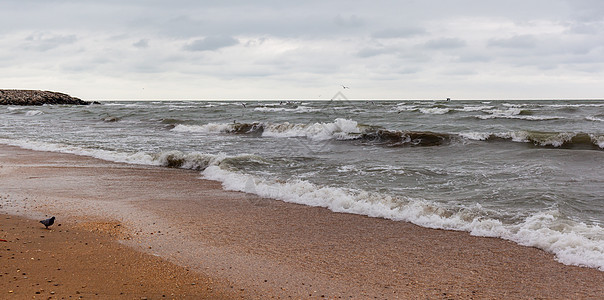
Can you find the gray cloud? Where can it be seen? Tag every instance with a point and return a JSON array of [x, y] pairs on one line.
[[143, 43], [375, 51], [393, 33], [45, 41], [211, 43], [519, 41], [445, 43], [349, 21]]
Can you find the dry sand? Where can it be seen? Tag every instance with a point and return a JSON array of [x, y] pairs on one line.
[[70, 262], [261, 248]]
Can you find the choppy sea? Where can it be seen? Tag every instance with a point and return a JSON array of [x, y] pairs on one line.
[[527, 171]]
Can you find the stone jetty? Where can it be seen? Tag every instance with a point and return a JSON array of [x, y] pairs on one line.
[[35, 97]]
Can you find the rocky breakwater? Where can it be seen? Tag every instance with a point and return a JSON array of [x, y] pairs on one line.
[[34, 97]]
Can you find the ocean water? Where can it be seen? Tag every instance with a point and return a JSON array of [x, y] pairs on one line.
[[526, 171]]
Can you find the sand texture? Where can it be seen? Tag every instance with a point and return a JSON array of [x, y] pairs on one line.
[[260, 248], [70, 262]]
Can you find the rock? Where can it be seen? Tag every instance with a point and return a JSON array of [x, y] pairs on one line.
[[35, 97]]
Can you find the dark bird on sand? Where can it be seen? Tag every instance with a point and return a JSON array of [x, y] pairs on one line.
[[48, 222]]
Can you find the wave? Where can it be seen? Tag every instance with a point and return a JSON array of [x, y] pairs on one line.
[[573, 243], [13, 108], [595, 118], [435, 110], [112, 119], [472, 108], [171, 159], [402, 138], [405, 107], [30, 113], [18, 110], [340, 129], [139, 158], [295, 109], [520, 117], [170, 121], [576, 105], [564, 140], [515, 112]]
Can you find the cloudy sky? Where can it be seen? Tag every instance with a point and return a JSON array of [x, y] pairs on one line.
[[277, 49]]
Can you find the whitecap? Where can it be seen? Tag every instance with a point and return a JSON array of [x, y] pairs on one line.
[[30, 113], [434, 111]]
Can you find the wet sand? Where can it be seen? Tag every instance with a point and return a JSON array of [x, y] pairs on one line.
[[259, 248], [75, 262]]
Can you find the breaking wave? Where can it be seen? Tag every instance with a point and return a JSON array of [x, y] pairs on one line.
[[515, 112], [564, 140], [573, 243], [171, 159], [595, 118], [435, 110], [340, 129], [294, 109], [30, 113]]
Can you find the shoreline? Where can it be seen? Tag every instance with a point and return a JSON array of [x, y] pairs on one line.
[[271, 248]]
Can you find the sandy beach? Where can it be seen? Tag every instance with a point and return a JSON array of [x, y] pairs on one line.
[[154, 231], [77, 262]]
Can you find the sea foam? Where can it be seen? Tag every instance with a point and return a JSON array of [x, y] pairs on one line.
[[575, 243], [338, 129], [140, 158]]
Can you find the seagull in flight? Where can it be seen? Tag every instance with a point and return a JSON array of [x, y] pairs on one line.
[[344, 87]]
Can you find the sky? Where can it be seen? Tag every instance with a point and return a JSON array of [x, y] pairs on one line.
[[288, 50]]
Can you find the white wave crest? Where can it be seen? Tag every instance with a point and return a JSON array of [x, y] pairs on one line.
[[476, 136], [139, 158], [475, 108], [576, 105], [597, 140], [434, 110], [520, 117], [514, 112], [12, 108], [207, 128], [299, 109], [30, 113], [173, 158], [338, 129], [192, 160], [573, 243], [542, 139], [594, 118], [405, 107]]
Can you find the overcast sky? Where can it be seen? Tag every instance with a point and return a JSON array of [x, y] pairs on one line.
[[187, 49]]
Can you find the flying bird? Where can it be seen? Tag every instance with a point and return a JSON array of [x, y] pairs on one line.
[[344, 87], [48, 222]]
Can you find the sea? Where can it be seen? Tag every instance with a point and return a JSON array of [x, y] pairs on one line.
[[528, 171]]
